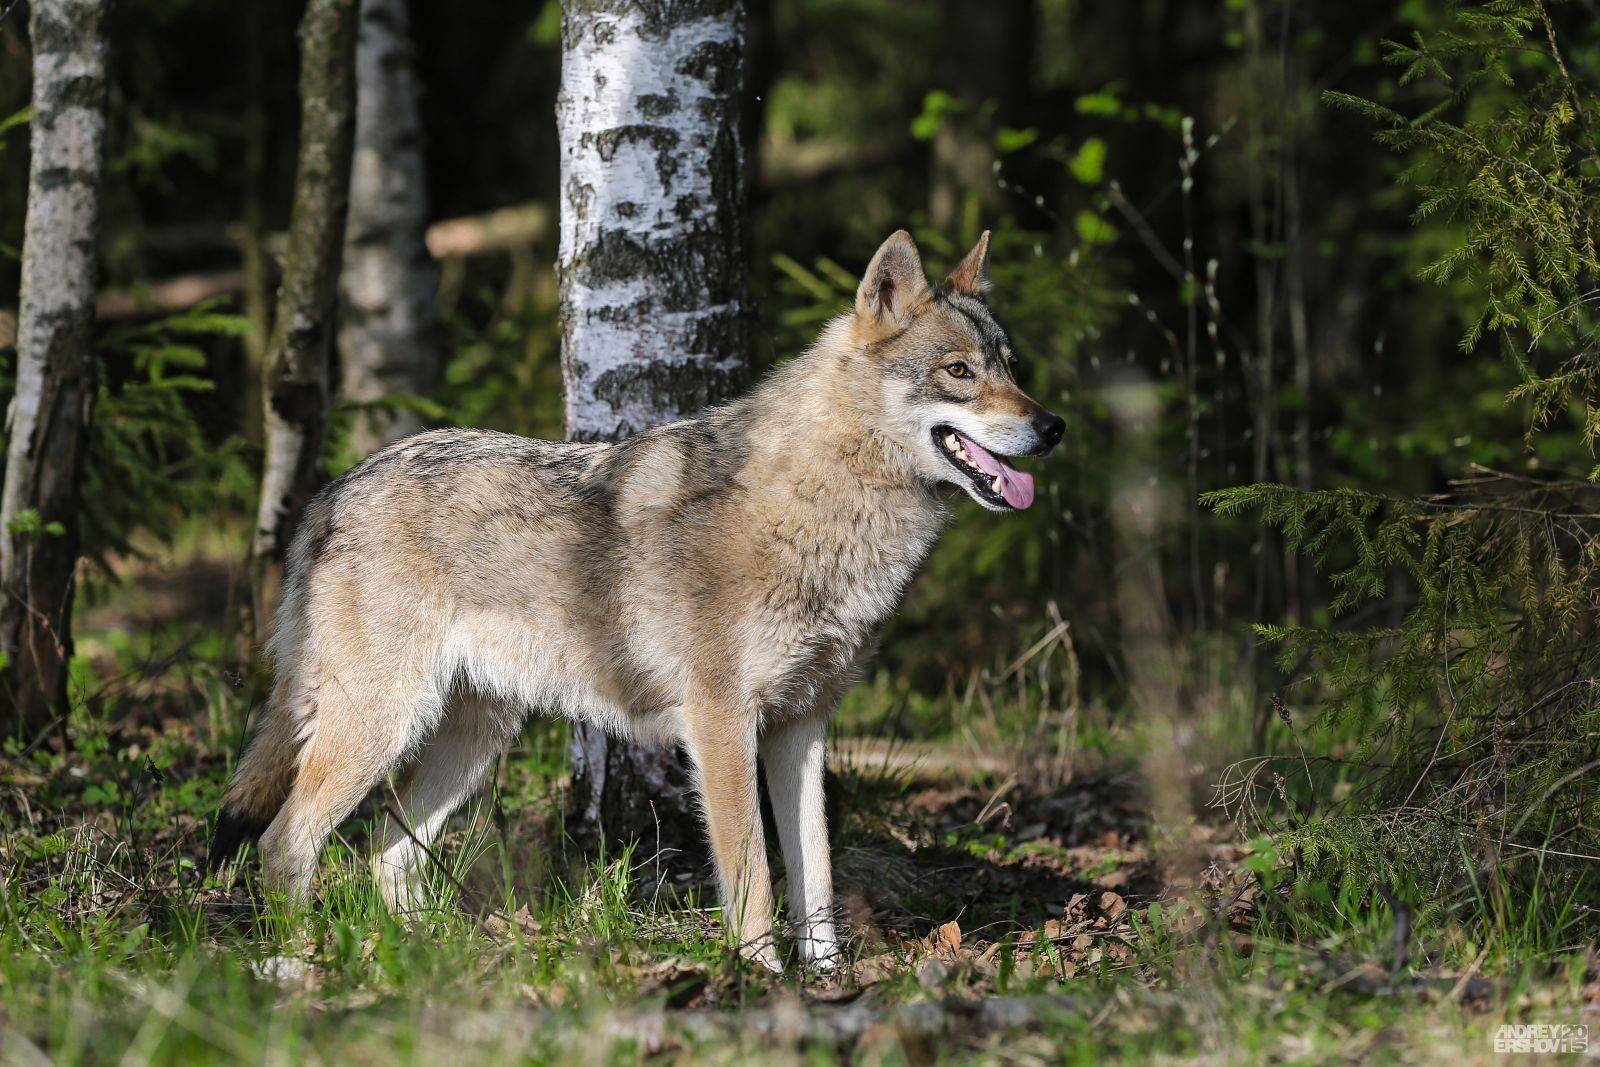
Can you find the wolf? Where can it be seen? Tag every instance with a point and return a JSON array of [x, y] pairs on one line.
[[712, 583]]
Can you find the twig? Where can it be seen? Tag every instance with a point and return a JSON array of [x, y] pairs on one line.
[[1466, 976], [1450, 690], [1152, 242], [1038, 646], [1401, 941], [460, 887], [1554, 852], [1572, 89], [1548, 793]]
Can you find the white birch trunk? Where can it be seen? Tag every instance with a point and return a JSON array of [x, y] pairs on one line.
[[652, 282], [50, 414], [387, 339], [652, 246]]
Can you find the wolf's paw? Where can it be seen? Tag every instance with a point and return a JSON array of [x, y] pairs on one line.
[[821, 957], [766, 955], [763, 949]]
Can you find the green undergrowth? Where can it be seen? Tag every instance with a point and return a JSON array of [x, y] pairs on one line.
[[114, 948], [597, 968], [995, 854]]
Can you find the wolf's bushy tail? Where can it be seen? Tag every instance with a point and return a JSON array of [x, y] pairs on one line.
[[260, 783]]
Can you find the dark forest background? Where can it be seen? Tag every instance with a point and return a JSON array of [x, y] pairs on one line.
[[1065, 126], [1194, 200], [1314, 285], [1180, 202]]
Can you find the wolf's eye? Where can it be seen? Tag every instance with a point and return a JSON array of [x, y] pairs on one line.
[[958, 369], [1014, 366]]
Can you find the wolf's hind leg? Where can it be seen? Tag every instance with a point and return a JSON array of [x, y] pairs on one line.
[[363, 728], [793, 753], [449, 767], [722, 745]]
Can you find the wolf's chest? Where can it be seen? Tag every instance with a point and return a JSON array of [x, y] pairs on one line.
[[839, 581], [818, 622]]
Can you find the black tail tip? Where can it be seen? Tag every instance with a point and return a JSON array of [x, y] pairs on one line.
[[232, 832]]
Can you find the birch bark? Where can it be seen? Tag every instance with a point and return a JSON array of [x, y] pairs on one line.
[[652, 274], [387, 339], [49, 419], [296, 365]]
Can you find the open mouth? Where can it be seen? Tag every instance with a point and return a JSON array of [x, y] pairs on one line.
[[992, 478]]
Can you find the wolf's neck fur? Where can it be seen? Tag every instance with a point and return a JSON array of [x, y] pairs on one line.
[[829, 491], [825, 401], [799, 477]]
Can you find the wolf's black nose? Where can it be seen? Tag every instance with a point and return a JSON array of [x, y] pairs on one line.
[[1049, 427]]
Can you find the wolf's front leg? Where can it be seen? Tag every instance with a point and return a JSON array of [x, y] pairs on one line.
[[793, 754], [722, 744]]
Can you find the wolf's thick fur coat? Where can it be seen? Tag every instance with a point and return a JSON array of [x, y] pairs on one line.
[[711, 583]]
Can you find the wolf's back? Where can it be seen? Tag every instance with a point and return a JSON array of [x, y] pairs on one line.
[[361, 500], [407, 515]]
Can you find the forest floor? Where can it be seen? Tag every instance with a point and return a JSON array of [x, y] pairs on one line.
[[989, 917]]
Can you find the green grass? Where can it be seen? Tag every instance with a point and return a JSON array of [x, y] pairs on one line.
[[349, 984], [1148, 946]]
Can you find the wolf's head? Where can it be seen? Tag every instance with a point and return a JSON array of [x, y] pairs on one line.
[[949, 375]]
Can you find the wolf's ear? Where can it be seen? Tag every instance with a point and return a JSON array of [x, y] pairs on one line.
[[894, 282], [971, 276]]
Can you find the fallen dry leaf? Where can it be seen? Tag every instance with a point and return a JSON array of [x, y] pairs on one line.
[[947, 939], [1031, 967], [875, 969]]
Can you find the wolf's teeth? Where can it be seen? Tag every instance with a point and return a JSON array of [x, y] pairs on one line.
[[995, 485], [950, 441]]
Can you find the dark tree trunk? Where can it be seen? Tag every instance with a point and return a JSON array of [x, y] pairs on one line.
[[985, 54], [296, 359], [388, 345], [652, 268], [254, 261], [51, 412]]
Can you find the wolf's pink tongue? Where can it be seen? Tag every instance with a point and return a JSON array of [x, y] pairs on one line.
[[1015, 486]]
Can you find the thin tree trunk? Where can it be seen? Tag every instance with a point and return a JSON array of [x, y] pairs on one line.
[[985, 54], [387, 339], [50, 415], [652, 272], [255, 263], [1299, 578], [296, 368], [1265, 189]]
